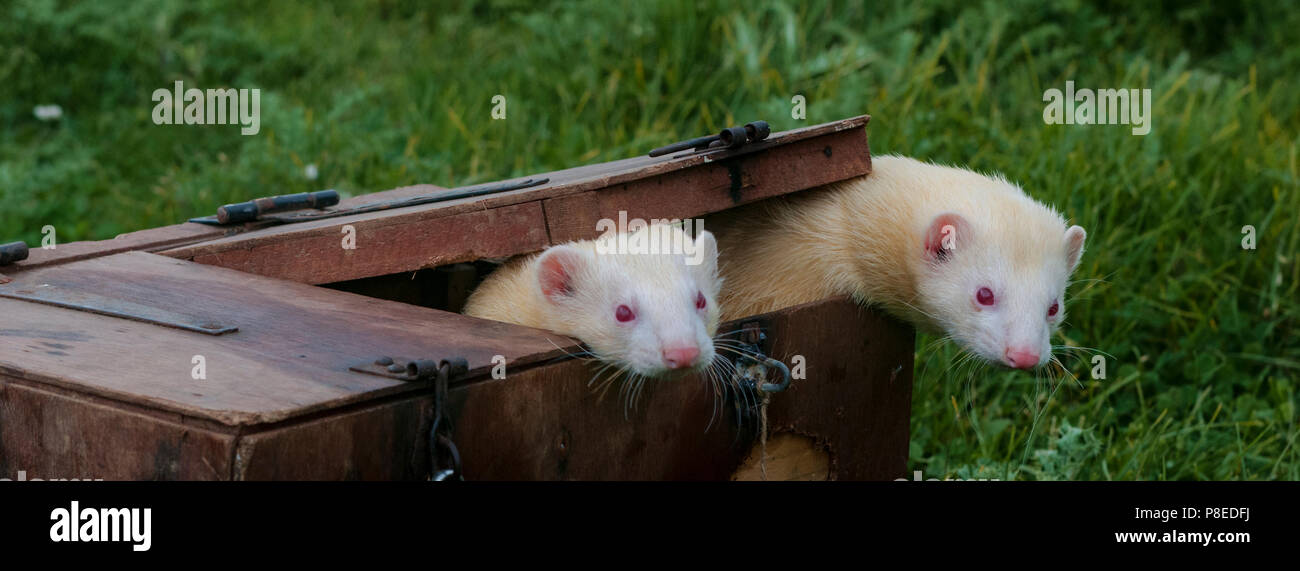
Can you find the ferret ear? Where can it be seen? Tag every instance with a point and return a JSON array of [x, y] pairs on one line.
[[556, 271], [948, 233], [1074, 238], [707, 247]]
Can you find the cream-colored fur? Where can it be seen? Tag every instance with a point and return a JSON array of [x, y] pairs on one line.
[[660, 289], [866, 237]]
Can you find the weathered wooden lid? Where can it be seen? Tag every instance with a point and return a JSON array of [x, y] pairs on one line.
[[566, 208]]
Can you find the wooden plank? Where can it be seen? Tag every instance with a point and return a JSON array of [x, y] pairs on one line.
[[290, 356], [559, 429], [714, 186], [151, 239], [184, 234], [388, 441], [49, 435], [289, 250], [856, 400], [318, 256]]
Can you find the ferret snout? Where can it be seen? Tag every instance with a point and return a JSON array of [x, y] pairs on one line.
[[1021, 357], [680, 356]]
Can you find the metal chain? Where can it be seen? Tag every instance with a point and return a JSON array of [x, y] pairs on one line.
[[440, 431]]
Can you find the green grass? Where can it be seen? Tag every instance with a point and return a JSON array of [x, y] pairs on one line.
[[1203, 379]]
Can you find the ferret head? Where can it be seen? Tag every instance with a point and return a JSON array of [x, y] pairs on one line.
[[651, 313], [995, 275]]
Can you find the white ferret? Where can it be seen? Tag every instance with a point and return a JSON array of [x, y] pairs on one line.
[[944, 248], [650, 313]]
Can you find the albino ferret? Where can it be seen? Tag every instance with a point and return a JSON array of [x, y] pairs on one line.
[[944, 248], [648, 313]]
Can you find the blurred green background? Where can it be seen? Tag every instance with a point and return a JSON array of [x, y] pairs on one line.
[[1199, 335]]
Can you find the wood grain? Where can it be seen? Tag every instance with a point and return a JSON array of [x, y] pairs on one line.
[[462, 230], [64, 436], [274, 415], [856, 399], [545, 423], [289, 358], [317, 256], [713, 186], [146, 240]]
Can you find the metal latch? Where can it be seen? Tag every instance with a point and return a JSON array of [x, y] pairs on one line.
[[13, 252], [444, 457], [308, 206], [10, 253], [249, 211], [410, 369], [752, 366], [754, 375], [729, 138]]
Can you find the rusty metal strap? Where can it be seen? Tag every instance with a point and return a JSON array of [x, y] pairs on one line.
[[68, 298], [444, 456], [306, 215]]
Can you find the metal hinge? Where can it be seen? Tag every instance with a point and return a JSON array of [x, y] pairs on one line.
[[410, 369], [729, 138], [444, 457]]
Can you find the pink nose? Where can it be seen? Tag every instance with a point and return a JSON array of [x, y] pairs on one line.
[[1021, 358], [681, 356]]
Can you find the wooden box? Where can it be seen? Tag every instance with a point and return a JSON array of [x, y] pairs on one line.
[[102, 345]]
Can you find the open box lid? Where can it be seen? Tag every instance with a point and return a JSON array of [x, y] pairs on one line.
[[110, 320], [565, 208]]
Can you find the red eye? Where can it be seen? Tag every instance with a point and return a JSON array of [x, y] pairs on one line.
[[700, 302], [984, 296], [1052, 310], [624, 314]]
